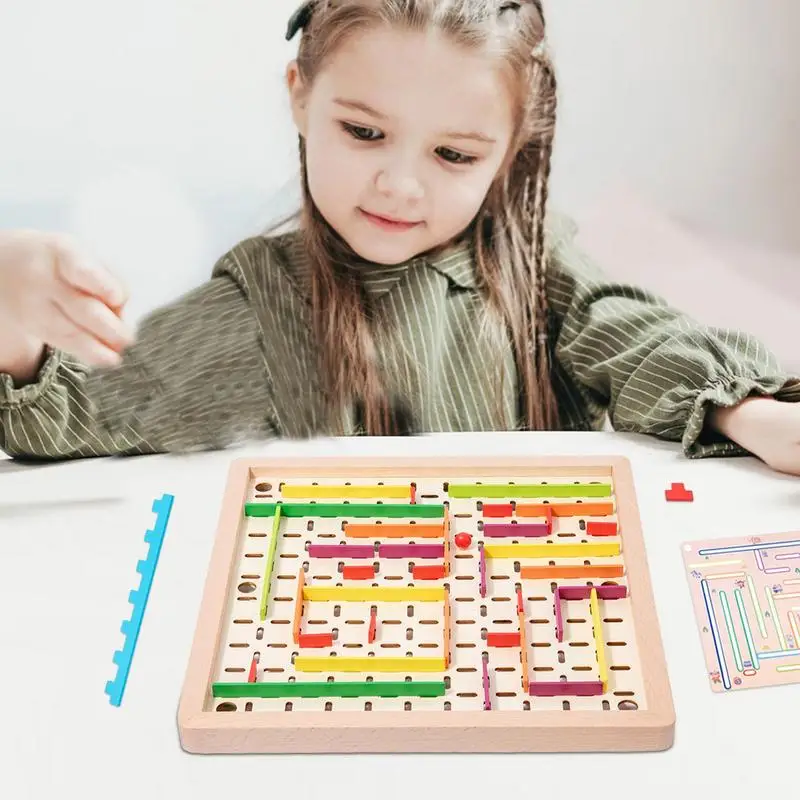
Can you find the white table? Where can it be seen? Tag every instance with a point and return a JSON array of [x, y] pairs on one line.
[[70, 536]]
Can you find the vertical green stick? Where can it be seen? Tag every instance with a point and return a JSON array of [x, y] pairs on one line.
[[270, 561]]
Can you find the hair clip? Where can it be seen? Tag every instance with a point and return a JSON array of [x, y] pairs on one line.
[[299, 20]]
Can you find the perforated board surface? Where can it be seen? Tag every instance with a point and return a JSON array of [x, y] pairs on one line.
[[343, 611]]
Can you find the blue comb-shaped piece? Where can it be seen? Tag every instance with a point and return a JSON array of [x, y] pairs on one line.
[[130, 628]]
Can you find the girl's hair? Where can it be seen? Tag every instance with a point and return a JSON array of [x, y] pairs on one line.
[[506, 236]]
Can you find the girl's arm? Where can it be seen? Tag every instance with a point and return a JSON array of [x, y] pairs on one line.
[[194, 379], [659, 371]]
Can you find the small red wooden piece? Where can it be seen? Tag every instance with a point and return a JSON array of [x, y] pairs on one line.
[[497, 510], [494, 639], [373, 625], [428, 572], [251, 678], [358, 572], [315, 640], [595, 528], [678, 493]]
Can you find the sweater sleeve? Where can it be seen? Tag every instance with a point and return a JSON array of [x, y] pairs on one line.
[[658, 371], [194, 379]]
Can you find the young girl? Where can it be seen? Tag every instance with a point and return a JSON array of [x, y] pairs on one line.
[[425, 288]]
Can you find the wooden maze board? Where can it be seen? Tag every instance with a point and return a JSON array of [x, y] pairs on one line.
[[429, 605]]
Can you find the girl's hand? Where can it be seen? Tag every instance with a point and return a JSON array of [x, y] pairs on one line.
[[768, 428], [53, 294]]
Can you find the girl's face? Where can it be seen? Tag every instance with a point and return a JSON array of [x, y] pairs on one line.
[[404, 134]]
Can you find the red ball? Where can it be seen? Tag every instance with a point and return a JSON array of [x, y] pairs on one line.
[[463, 540]]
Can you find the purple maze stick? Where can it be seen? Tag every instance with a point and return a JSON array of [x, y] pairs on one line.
[[565, 688], [411, 551], [341, 551], [487, 700], [497, 530]]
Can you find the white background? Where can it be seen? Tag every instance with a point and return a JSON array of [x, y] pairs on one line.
[[159, 130]]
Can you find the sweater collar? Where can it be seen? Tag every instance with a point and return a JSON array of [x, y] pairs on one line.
[[454, 261]]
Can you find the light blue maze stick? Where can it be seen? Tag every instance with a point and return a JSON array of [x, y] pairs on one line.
[[138, 598]]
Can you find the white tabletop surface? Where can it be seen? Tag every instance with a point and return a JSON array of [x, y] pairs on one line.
[[70, 537]]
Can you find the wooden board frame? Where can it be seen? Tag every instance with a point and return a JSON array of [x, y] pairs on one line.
[[208, 731]]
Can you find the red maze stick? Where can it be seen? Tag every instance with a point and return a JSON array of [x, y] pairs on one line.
[[373, 624]]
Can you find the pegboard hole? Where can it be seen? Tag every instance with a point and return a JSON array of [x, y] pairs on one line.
[[227, 706], [628, 705], [288, 706], [264, 487]]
